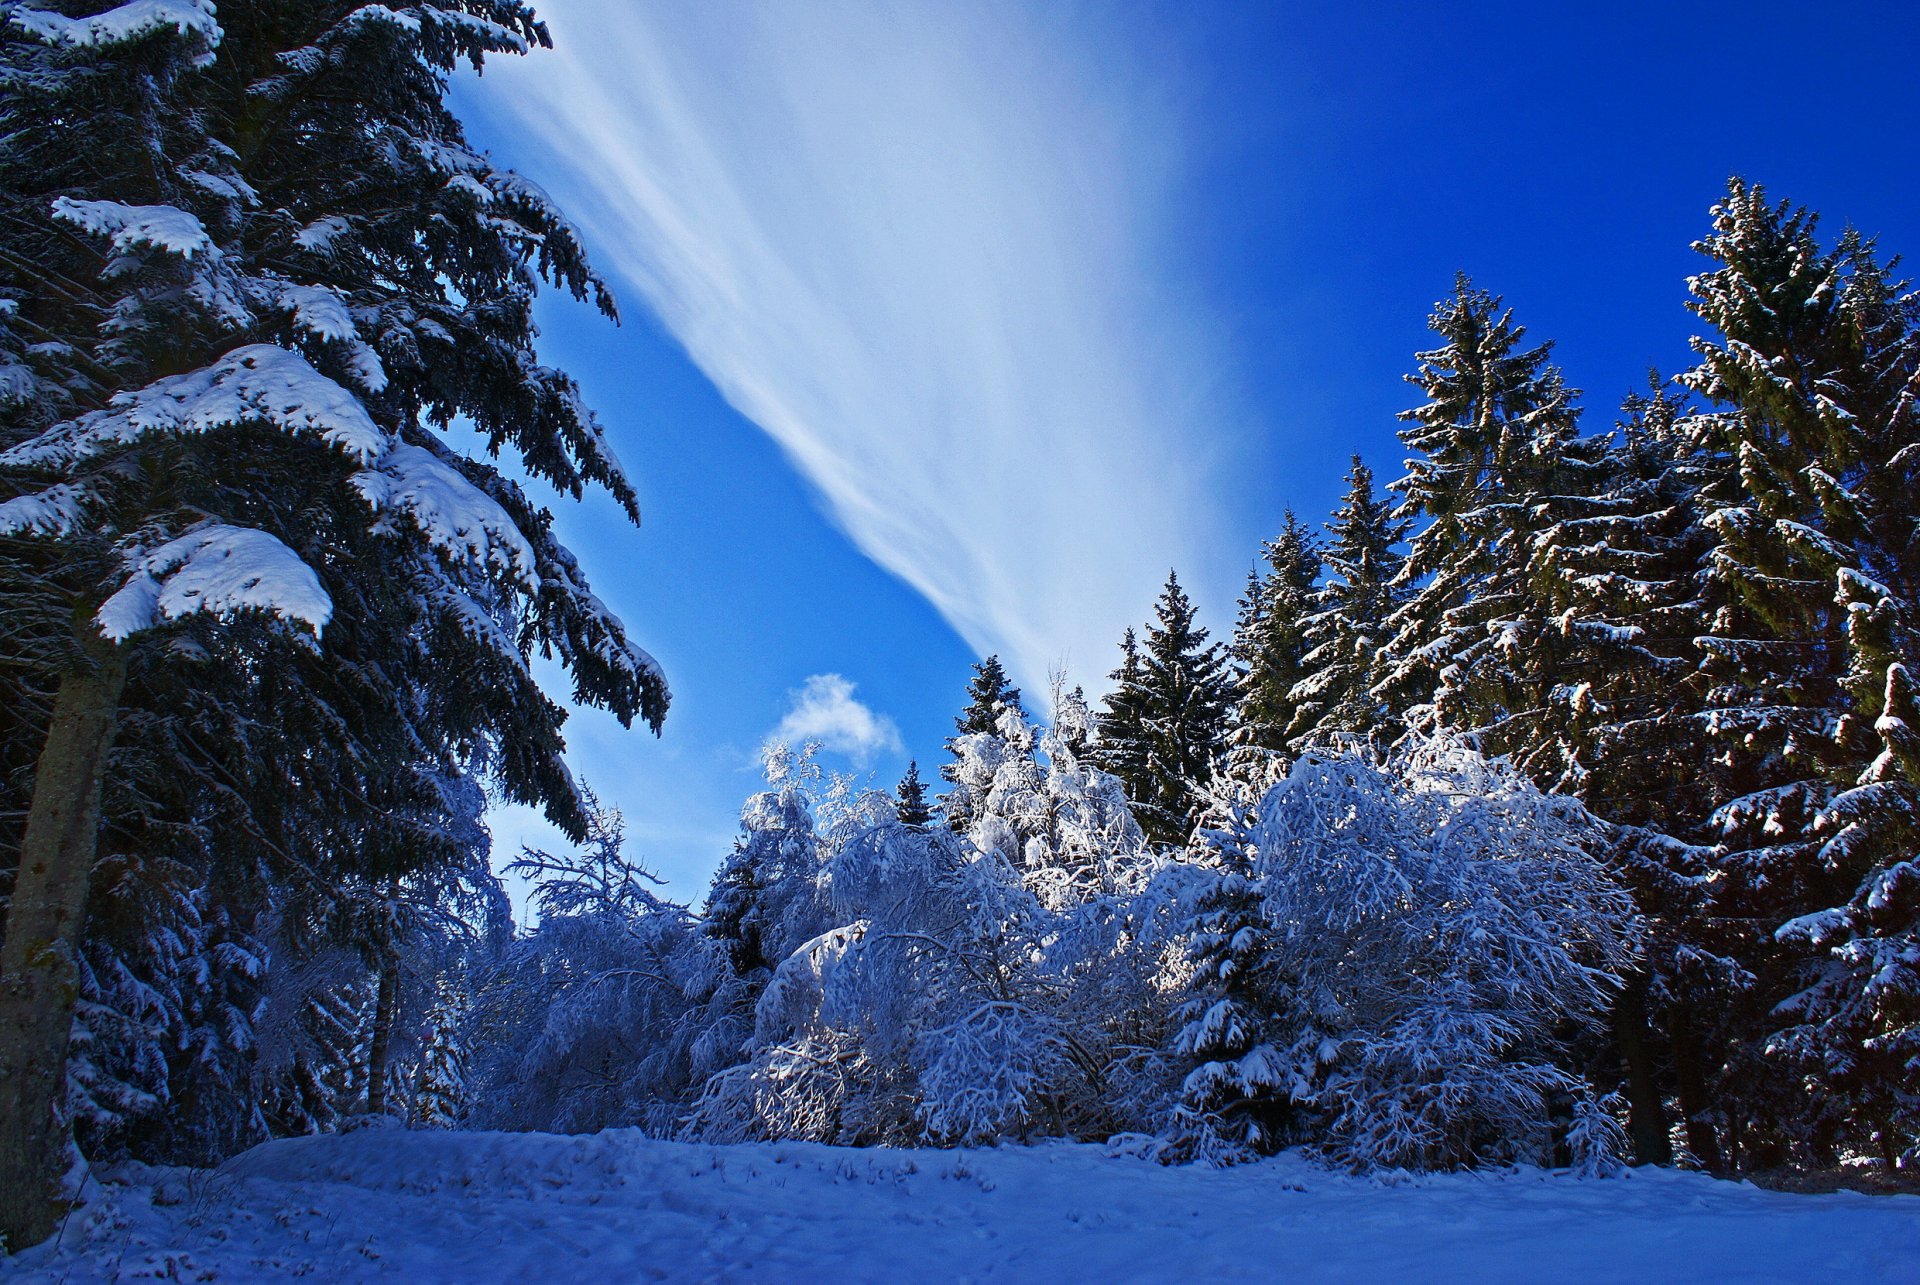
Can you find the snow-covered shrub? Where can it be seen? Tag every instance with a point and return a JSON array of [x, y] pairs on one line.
[[957, 987], [1596, 1140], [1425, 926], [610, 1012], [917, 1019]]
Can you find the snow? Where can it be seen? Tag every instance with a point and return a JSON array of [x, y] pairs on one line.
[[126, 22], [456, 516], [320, 312], [319, 235], [258, 382], [217, 569], [54, 511], [387, 1203], [128, 227]]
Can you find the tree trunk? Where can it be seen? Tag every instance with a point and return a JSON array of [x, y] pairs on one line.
[[39, 978], [386, 1008], [1701, 1138], [1646, 1113]]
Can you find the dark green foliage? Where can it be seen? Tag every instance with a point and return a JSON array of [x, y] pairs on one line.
[[1165, 723], [912, 807], [1347, 623], [1812, 577], [1269, 639], [1495, 460], [291, 777]]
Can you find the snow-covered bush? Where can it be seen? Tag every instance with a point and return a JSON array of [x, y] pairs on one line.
[[971, 987], [610, 1012], [1393, 955]]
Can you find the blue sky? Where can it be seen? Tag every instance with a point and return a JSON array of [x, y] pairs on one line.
[[948, 328]]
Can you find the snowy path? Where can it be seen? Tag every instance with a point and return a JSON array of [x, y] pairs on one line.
[[613, 1207]]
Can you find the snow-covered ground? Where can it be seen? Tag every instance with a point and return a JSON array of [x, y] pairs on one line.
[[431, 1206]]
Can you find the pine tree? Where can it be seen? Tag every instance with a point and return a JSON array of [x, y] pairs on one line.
[[1269, 641], [1165, 723], [248, 293], [1347, 622], [912, 794]]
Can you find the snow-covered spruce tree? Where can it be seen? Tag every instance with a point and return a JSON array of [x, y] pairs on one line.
[[1269, 639], [1438, 922], [765, 899], [988, 694], [1620, 571], [253, 270], [1347, 620], [1231, 1103], [913, 808], [1495, 457], [1811, 378], [610, 1012], [1166, 722], [1855, 1027]]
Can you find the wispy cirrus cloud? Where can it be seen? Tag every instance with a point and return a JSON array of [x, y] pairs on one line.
[[920, 244], [825, 712]]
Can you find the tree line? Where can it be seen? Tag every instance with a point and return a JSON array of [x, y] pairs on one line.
[[1699, 624], [1553, 803]]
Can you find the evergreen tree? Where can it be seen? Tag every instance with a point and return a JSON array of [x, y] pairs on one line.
[[1812, 583], [762, 903], [1620, 575], [1346, 624], [912, 798], [988, 692], [988, 695], [1234, 1101], [1165, 723], [1269, 640], [1495, 460], [248, 291]]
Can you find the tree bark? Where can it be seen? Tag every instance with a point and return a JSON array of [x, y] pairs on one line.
[[1688, 1079], [1646, 1113], [39, 978], [386, 1007]]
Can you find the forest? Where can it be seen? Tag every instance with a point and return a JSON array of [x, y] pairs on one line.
[[1555, 801]]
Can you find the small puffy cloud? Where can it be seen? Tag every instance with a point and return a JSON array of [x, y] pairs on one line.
[[825, 711]]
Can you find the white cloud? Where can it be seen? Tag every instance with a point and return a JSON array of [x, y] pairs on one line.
[[825, 711], [921, 245]]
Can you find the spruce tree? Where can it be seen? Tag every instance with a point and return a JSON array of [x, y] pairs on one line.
[[1496, 457], [256, 273], [911, 798], [1620, 575], [1269, 641], [1345, 627], [1809, 377], [988, 695], [988, 692], [1165, 723]]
